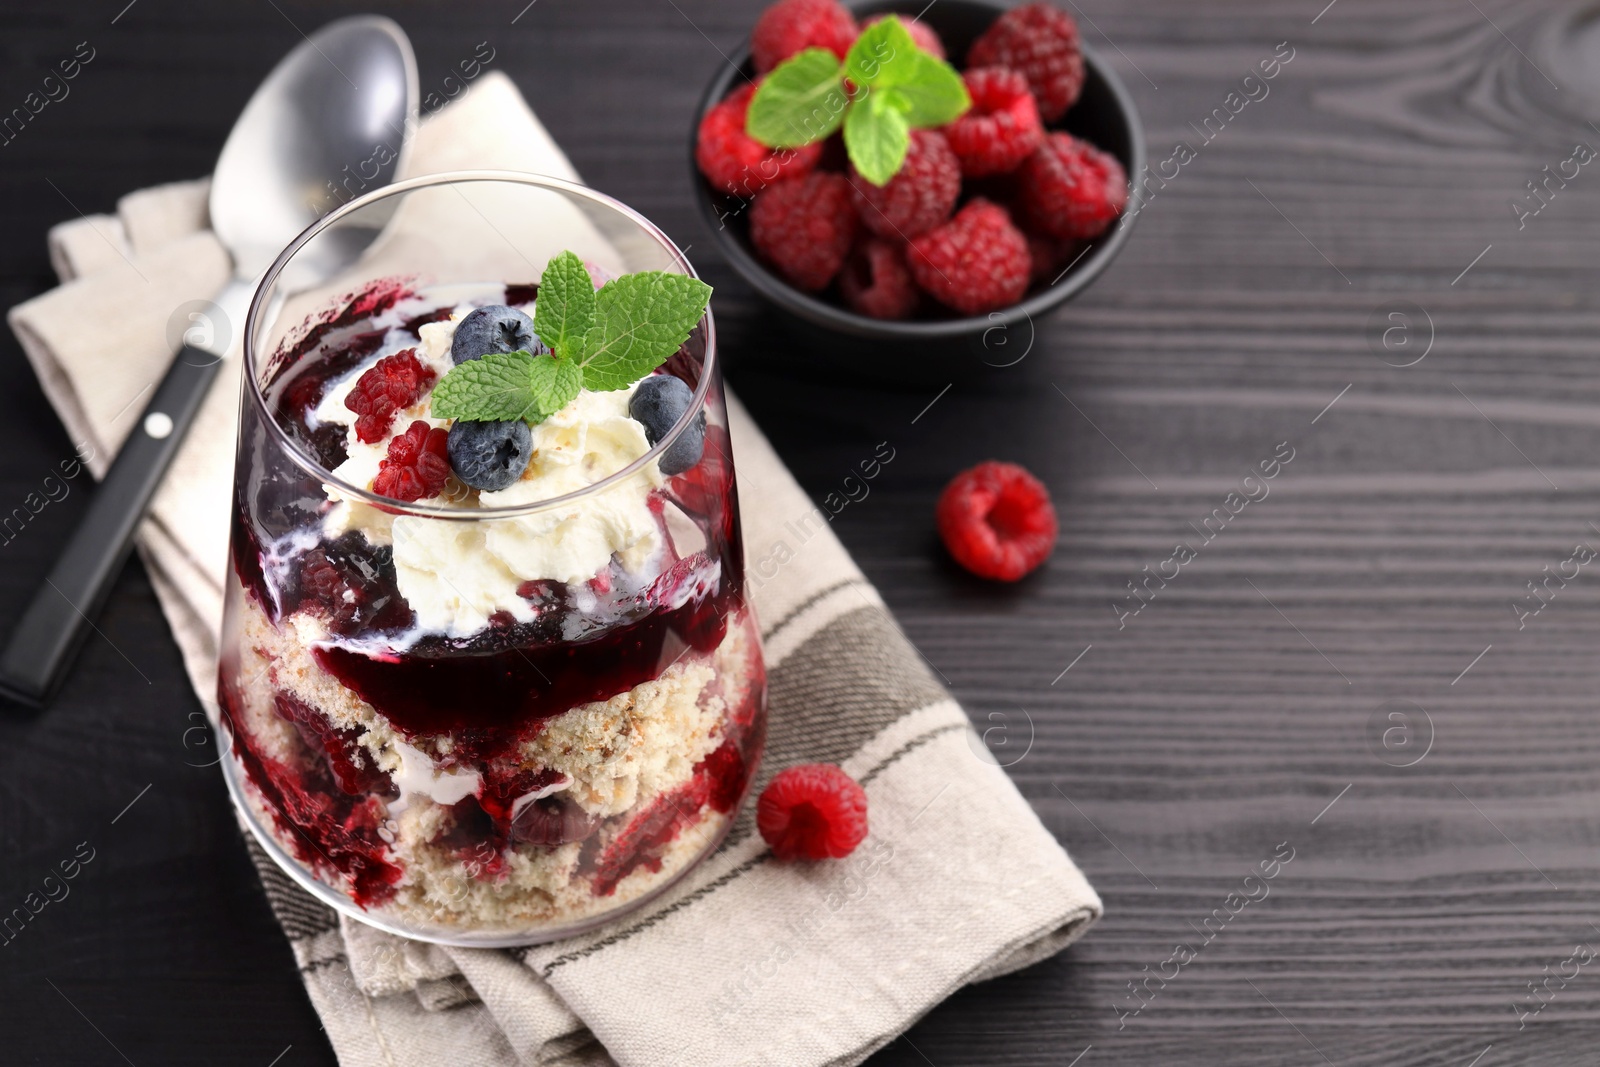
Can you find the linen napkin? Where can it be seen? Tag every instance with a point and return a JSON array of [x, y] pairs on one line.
[[747, 961]]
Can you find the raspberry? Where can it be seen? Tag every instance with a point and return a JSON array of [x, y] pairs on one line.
[[922, 33], [418, 464], [725, 772], [1001, 129], [1051, 257], [805, 227], [920, 195], [812, 812], [791, 26], [641, 842], [737, 163], [352, 766], [323, 584], [392, 383], [875, 281], [351, 587], [976, 262], [1041, 42], [997, 521], [1069, 188]]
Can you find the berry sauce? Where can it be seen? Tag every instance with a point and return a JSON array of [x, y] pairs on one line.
[[491, 699], [318, 820]]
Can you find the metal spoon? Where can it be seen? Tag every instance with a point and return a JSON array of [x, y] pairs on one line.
[[331, 120]]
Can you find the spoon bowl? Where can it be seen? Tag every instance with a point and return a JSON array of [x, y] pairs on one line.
[[330, 122]]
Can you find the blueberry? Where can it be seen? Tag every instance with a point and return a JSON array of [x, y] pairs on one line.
[[490, 455], [494, 328], [658, 403]]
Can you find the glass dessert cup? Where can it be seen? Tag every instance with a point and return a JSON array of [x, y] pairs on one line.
[[480, 718]]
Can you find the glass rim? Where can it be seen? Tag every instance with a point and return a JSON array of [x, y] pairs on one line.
[[349, 491]]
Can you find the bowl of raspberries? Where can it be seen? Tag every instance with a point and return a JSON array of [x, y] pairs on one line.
[[915, 172]]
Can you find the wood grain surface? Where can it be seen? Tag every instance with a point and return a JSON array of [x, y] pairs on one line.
[[1246, 708]]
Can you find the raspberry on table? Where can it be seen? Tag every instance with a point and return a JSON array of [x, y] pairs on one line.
[[997, 521], [921, 33], [392, 383], [792, 26], [875, 281], [805, 227], [1040, 42], [920, 195], [737, 163], [417, 466], [976, 262], [1070, 189], [1002, 127], [814, 811]]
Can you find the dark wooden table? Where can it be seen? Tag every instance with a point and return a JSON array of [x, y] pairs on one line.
[[1343, 671]]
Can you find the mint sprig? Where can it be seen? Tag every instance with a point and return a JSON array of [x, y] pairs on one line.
[[878, 137], [639, 320], [565, 307], [506, 385], [927, 97], [601, 340], [885, 87], [801, 101]]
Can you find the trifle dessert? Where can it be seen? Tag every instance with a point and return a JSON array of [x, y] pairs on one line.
[[488, 671]]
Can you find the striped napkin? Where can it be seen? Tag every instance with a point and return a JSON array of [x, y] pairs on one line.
[[746, 961]]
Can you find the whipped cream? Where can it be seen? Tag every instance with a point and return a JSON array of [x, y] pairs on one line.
[[417, 776], [456, 574]]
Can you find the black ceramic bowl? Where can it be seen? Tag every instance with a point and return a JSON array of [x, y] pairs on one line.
[[1104, 116]]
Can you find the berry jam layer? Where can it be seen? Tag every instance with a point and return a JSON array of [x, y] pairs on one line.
[[504, 724]]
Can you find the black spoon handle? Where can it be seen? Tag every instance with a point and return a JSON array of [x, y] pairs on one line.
[[45, 640]]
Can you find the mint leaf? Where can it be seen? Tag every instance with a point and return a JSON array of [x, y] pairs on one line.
[[552, 384], [897, 86], [564, 310], [877, 136], [640, 320], [801, 101], [932, 94], [506, 385], [881, 56], [902, 87]]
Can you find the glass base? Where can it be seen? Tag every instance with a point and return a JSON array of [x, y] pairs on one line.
[[251, 815]]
